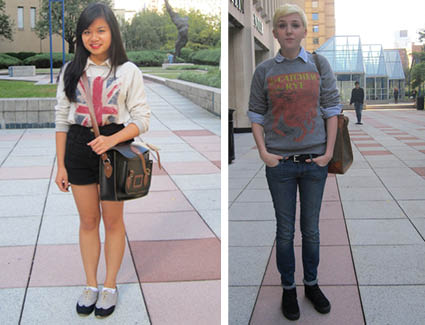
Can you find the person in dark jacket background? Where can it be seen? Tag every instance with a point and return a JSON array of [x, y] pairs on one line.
[[357, 97]]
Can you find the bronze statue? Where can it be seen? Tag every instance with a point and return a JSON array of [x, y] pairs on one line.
[[182, 28]]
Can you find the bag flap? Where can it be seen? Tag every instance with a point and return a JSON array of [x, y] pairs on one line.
[[125, 150]]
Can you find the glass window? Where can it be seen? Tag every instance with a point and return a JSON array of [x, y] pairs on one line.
[[343, 77], [32, 16], [315, 16], [315, 4], [315, 28], [316, 40], [21, 17]]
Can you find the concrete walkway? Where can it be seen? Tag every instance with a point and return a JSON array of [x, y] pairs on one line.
[[372, 231], [171, 268]]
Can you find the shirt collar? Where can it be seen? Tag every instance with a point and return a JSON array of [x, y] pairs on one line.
[[106, 63], [302, 55]]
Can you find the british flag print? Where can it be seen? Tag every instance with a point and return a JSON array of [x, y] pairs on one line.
[[105, 102]]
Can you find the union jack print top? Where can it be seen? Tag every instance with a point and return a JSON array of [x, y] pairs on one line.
[[116, 99]]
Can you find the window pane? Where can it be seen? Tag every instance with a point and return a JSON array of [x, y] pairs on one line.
[[315, 29], [315, 4], [315, 16], [343, 77], [32, 15], [21, 17]]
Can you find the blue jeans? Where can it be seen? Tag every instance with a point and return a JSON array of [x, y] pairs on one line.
[[359, 108], [283, 181]]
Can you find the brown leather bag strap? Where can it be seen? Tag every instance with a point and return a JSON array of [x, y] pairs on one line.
[[153, 148], [106, 162]]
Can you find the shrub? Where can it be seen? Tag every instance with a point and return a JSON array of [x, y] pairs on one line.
[[212, 78], [186, 54], [209, 57], [43, 60], [21, 55], [197, 46], [147, 58], [7, 60]]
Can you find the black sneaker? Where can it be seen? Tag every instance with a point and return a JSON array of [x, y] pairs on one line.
[[290, 307], [316, 296], [359, 123], [87, 301], [105, 305]]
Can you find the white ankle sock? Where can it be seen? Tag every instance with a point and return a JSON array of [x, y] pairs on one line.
[[93, 289], [109, 290]]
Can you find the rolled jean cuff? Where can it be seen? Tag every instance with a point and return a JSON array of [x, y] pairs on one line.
[[311, 283], [288, 287]]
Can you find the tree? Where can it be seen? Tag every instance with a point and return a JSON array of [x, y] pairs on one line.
[[73, 9], [203, 30], [6, 24], [150, 30], [418, 75], [422, 35], [145, 32]]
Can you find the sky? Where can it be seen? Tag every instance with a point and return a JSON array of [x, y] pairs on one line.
[[376, 21]]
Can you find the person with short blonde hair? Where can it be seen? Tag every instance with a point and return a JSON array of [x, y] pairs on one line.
[[293, 108], [286, 10]]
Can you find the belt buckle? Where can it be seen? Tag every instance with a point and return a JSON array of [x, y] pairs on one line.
[[295, 158]]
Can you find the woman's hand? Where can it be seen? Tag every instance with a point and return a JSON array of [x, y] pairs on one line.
[[322, 161], [102, 144], [62, 179], [270, 159]]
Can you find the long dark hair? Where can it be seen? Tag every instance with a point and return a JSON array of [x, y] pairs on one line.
[[116, 52]]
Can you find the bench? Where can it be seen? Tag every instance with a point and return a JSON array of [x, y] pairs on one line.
[[21, 70]]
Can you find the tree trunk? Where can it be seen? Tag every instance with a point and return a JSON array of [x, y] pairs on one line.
[[71, 45]]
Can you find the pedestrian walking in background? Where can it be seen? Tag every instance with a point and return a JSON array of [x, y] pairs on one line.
[[293, 111], [118, 97], [357, 97], [395, 95]]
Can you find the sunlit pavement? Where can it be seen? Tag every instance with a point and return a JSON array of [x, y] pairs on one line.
[[171, 268], [372, 265]]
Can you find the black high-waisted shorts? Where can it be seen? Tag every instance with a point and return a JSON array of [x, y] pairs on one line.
[[81, 162]]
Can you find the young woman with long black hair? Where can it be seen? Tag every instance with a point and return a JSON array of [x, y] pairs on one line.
[[117, 90]]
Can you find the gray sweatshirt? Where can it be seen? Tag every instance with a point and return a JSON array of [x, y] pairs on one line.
[[291, 100]]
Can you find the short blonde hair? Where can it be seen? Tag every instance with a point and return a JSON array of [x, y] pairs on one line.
[[289, 9]]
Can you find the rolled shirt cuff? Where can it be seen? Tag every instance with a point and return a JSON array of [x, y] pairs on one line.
[[255, 117], [331, 111]]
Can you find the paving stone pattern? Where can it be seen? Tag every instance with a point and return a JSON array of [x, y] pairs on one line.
[[372, 227], [171, 267]]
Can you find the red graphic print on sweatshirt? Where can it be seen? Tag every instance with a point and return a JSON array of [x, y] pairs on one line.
[[105, 102], [294, 100]]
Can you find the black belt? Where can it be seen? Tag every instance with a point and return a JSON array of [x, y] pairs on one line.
[[301, 158]]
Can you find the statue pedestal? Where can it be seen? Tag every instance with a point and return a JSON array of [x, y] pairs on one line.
[[167, 65]]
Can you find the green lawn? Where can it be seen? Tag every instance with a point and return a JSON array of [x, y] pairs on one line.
[[22, 89]]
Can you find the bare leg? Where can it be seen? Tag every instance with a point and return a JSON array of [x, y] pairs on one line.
[[87, 200], [112, 213]]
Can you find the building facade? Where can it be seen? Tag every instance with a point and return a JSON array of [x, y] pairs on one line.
[[251, 41], [377, 70], [25, 14]]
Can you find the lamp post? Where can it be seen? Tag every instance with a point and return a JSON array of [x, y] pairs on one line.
[[50, 35]]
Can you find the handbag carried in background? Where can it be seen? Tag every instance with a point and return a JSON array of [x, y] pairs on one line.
[[343, 153], [125, 170]]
